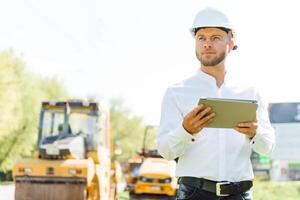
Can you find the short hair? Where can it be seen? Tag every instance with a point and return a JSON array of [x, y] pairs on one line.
[[222, 28]]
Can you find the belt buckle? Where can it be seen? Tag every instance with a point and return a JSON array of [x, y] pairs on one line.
[[218, 189]]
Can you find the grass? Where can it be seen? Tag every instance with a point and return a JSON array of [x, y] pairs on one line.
[[123, 196], [6, 183], [264, 190]]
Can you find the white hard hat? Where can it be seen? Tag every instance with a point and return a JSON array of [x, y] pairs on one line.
[[210, 17]]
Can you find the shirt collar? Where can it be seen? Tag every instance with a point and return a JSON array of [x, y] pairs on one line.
[[208, 78]]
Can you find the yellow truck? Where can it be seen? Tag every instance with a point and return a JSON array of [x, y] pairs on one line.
[[149, 176], [73, 155], [156, 179]]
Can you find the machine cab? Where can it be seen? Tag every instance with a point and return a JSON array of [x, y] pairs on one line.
[[69, 129]]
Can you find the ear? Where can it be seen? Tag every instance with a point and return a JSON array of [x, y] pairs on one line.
[[231, 44]]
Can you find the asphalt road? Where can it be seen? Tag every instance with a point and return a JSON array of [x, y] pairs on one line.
[[7, 192]]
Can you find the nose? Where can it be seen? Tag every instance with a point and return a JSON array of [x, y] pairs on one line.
[[207, 44]]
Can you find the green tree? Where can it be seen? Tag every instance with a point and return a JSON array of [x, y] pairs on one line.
[[20, 99], [126, 128]]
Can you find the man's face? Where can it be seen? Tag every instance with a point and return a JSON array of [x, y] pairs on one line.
[[212, 46]]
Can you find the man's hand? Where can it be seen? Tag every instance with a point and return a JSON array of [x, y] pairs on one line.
[[197, 119], [247, 128]]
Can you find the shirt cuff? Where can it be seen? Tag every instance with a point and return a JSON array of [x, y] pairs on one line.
[[252, 140], [182, 135]]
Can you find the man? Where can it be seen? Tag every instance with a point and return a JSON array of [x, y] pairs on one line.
[[61, 129], [213, 163]]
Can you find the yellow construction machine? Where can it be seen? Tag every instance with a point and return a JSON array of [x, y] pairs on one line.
[[149, 176], [73, 156]]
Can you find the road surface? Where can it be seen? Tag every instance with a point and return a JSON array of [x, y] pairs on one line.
[[7, 192]]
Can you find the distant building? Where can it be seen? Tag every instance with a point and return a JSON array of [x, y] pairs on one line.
[[285, 118]]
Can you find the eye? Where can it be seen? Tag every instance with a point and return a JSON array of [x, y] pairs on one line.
[[200, 38], [216, 38]]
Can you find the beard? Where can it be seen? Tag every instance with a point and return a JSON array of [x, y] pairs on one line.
[[211, 62]]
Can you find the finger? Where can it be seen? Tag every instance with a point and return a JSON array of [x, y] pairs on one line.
[[243, 130], [199, 126], [199, 115], [248, 133], [206, 123], [189, 120], [191, 114], [247, 124], [203, 121], [243, 125], [238, 130], [203, 113], [197, 109]]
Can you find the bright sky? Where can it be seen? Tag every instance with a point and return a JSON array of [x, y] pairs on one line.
[[136, 48]]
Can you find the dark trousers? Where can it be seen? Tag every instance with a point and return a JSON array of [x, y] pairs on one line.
[[186, 192]]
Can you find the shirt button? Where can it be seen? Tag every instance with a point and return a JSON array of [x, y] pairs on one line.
[[193, 140]]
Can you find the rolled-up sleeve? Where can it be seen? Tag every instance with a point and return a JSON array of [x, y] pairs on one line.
[[172, 138], [264, 140]]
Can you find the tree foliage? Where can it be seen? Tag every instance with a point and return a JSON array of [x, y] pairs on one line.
[[21, 94], [20, 99], [126, 128]]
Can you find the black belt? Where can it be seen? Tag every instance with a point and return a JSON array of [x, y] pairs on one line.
[[219, 188]]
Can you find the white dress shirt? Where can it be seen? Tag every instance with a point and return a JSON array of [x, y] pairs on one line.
[[214, 153]]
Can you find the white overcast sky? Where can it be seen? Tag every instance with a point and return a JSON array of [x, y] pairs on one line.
[[136, 48]]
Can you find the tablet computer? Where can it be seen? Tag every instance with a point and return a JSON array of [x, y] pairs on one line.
[[229, 112]]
